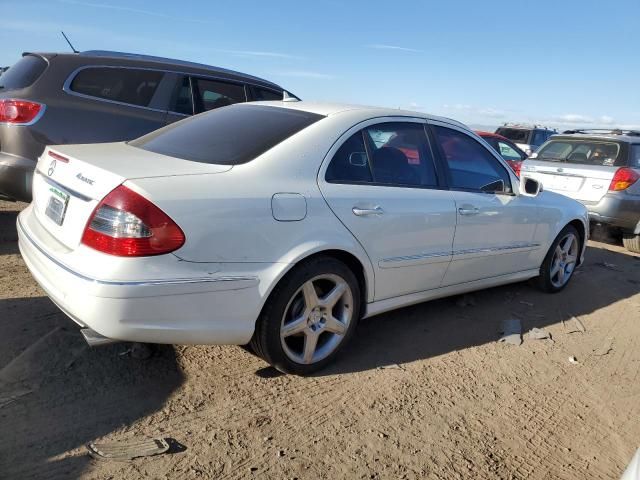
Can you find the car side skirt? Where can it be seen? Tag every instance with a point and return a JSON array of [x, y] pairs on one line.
[[382, 306]]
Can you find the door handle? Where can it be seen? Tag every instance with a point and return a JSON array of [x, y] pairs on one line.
[[364, 212], [469, 211]]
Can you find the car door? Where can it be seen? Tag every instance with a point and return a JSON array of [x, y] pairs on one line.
[[495, 227], [381, 181]]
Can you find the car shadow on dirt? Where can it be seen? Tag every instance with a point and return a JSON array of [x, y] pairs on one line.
[[56, 394], [442, 326]]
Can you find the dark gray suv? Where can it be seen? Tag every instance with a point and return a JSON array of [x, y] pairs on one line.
[[96, 96]]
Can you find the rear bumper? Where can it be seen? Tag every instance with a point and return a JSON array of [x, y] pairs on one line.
[[620, 210], [218, 309], [16, 175]]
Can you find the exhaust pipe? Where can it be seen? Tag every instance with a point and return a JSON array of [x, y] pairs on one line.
[[94, 339]]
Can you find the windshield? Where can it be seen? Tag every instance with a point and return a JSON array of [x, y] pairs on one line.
[[582, 152], [23, 73], [517, 135], [227, 136]]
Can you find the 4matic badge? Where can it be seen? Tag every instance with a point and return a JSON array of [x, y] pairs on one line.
[[85, 179]]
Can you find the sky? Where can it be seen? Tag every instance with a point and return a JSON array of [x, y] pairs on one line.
[[562, 63]]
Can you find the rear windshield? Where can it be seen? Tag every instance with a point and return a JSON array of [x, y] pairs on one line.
[[517, 135], [582, 152], [635, 156], [227, 136], [23, 74]]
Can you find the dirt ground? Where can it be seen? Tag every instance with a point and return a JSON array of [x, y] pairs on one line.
[[424, 392]]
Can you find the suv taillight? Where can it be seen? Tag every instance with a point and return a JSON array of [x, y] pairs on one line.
[[516, 166], [126, 224], [19, 112], [623, 179]]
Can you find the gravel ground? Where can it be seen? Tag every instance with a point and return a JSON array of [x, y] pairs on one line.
[[424, 392]]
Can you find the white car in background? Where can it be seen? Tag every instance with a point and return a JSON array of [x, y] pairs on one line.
[[282, 224]]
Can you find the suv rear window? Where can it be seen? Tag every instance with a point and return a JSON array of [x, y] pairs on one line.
[[517, 135], [581, 152], [126, 85], [227, 136], [24, 73]]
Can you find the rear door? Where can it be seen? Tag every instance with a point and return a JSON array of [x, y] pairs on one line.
[[578, 168], [381, 182]]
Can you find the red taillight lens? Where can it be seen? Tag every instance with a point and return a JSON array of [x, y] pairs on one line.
[[126, 224], [623, 179], [515, 165], [19, 112]]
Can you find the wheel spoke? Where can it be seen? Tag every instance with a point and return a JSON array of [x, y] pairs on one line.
[[296, 326], [334, 295], [310, 295], [310, 343], [558, 254], [334, 325], [572, 259], [555, 269], [561, 275]]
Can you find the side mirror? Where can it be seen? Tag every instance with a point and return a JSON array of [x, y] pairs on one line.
[[530, 187], [533, 155]]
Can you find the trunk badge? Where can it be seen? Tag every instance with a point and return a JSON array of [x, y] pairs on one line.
[[52, 167], [84, 179]]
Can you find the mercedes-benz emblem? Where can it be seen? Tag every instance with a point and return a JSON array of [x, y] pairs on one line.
[[52, 167]]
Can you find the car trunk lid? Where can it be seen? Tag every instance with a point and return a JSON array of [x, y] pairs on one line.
[[585, 183], [71, 180]]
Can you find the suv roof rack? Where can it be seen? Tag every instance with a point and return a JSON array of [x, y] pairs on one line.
[[527, 125], [610, 131]]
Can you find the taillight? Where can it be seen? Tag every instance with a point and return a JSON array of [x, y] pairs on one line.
[[515, 165], [623, 179], [126, 224], [19, 112]]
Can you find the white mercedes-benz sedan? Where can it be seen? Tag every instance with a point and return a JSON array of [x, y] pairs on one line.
[[282, 224]]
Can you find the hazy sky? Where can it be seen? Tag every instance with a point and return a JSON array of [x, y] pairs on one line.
[[558, 62]]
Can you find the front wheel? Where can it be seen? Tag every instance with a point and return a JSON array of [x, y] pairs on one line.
[[309, 317], [561, 260]]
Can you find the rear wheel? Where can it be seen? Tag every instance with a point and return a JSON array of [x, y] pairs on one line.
[[309, 317], [631, 242], [561, 260]]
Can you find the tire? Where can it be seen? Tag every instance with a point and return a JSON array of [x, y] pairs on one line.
[[299, 331], [560, 262], [631, 242]]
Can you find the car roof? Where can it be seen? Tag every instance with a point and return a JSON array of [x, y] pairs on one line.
[[158, 62], [482, 133], [328, 109], [525, 126], [611, 137]]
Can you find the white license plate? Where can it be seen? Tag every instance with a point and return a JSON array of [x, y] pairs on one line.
[[565, 183], [57, 205]]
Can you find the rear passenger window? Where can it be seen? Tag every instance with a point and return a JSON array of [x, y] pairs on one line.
[[539, 137], [471, 166], [211, 94], [24, 73], [350, 163], [400, 154], [265, 94], [126, 85]]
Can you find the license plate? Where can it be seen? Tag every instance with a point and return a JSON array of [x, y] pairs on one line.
[[565, 183], [57, 206]]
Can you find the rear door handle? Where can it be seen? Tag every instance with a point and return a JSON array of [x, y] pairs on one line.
[[469, 211], [364, 212]]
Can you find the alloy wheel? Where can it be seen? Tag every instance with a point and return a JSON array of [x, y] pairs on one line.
[[316, 319], [565, 258]]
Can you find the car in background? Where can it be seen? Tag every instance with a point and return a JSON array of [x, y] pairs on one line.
[[283, 224], [527, 137], [100, 96], [505, 147], [601, 169]]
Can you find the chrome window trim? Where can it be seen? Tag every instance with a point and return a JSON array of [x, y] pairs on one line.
[[251, 281], [66, 87]]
